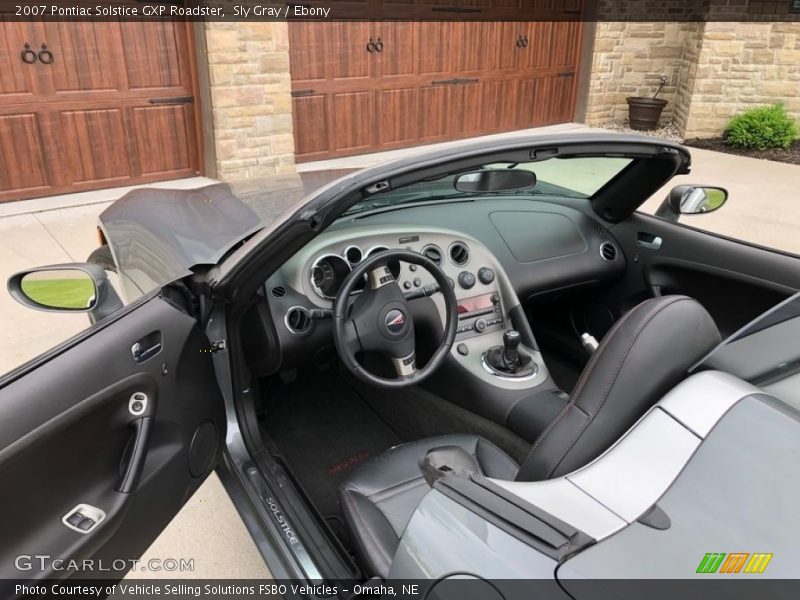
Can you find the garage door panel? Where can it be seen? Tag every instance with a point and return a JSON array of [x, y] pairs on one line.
[[475, 41], [348, 50], [399, 56], [530, 91], [23, 165], [163, 138], [99, 152], [155, 55], [435, 50], [17, 78], [310, 119], [501, 96], [355, 133], [307, 53], [564, 43], [397, 116], [467, 108], [433, 118], [87, 57]]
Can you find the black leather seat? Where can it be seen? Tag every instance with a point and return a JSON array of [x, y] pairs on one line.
[[380, 496], [646, 353]]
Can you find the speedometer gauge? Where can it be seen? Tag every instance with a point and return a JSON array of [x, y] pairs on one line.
[[327, 275]]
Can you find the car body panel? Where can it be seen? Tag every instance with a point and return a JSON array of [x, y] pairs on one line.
[[737, 494], [156, 236], [444, 539]]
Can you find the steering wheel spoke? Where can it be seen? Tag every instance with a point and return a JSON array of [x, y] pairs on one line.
[[350, 339], [405, 367]]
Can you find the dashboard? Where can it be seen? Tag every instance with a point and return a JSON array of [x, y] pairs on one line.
[[497, 253]]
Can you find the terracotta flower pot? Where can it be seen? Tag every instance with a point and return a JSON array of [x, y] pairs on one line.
[[644, 113]]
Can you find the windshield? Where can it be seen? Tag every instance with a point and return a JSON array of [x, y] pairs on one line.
[[579, 177]]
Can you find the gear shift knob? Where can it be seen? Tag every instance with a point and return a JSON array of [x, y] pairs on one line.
[[511, 340]]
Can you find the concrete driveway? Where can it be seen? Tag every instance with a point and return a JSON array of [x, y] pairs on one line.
[[762, 209]]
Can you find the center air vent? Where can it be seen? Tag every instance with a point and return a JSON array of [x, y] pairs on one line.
[[278, 291], [608, 251], [459, 253], [298, 320], [433, 253]]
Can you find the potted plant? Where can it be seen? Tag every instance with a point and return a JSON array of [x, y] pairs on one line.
[[644, 112]]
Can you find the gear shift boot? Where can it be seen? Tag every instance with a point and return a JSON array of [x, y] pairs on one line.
[[507, 360]]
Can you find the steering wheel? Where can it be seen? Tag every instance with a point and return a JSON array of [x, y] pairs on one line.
[[380, 319]]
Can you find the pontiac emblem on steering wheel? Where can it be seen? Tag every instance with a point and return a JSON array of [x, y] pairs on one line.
[[395, 321]]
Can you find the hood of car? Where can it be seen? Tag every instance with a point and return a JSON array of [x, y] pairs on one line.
[[157, 235]]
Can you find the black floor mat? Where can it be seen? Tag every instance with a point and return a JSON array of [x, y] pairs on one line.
[[322, 429]]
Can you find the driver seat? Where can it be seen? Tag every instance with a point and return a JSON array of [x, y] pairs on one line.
[[645, 354]]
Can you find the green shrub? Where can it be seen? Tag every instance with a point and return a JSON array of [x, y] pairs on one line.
[[761, 128]]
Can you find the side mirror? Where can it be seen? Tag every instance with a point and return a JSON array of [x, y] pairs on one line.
[[495, 180], [691, 200], [73, 287]]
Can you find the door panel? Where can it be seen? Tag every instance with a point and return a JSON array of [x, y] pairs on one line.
[[735, 282], [67, 435]]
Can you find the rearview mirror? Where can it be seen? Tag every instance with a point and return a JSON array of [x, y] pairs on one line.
[[691, 200], [78, 287], [495, 180]]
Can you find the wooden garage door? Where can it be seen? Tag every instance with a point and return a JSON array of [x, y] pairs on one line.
[[114, 107], [431, 81]]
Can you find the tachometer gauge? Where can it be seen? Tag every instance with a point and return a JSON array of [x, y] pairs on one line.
[[327, 275]]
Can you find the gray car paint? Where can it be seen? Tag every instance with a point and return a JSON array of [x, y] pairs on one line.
[[737, 494], [157, 235], [444, 539]]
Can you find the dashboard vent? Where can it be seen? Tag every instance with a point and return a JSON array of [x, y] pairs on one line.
[[278, 291], [608, 251], [298, 320], [459, 253], [433, 253]]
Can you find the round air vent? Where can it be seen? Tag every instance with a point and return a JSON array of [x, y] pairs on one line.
[[433, 253], [278, 291], [608, 251], [298, 320], [353, 254], [459, 253]]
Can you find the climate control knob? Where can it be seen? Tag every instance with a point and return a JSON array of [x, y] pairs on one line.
[[466, 279], [485, 275]]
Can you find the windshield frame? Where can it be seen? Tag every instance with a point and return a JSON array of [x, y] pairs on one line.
[[395, 197]]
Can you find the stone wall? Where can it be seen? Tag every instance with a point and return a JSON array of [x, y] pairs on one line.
[[251, 103], [740, 66], [629, 60], [715, 69]]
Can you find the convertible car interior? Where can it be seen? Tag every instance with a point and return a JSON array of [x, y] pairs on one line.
[[479, 318]]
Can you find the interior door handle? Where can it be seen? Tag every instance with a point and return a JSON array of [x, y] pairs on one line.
[[147, 347], [649, 241], [135, 455]]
